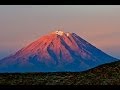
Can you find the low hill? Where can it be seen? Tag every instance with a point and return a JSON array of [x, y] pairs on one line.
[[107, 74]]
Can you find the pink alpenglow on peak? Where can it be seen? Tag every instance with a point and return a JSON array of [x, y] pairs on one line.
[[56, 52]]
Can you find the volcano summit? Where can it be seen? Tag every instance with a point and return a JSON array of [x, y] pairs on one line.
[[55, 52]]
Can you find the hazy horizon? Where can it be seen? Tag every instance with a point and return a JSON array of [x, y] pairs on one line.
[[99, 25]]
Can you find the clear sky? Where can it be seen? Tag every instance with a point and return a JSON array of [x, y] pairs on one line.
[[98, 24]]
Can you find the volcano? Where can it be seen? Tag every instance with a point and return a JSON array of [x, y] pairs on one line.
[[56, 52]]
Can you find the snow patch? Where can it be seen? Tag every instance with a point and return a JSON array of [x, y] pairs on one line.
[[68, 34], [58, 32]]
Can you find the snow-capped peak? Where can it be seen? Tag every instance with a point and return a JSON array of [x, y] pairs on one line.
[[51, 53]]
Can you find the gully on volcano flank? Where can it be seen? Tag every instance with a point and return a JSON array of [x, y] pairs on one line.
[[56, 52]]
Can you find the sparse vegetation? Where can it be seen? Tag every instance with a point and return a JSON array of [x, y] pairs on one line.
[[108, 74]]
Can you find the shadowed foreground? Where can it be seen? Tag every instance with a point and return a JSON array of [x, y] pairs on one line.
[[108, 74]]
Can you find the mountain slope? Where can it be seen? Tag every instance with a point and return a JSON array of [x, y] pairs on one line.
[[57, 51]]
